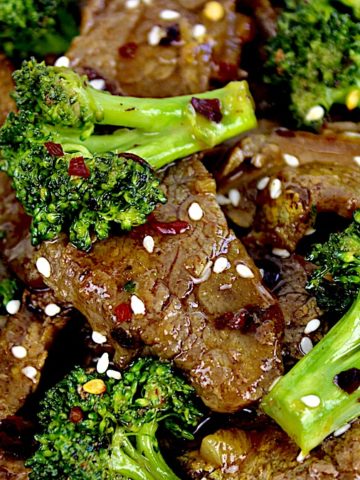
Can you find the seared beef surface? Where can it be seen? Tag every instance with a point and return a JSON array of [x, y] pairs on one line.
[[224, 332], [12, 468], [140, 53]]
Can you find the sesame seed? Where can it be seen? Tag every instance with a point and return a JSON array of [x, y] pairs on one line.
[[353, 99], [312, 326], [315, 113], [198, 31], [214, 11], [62, 62], [291, 160], [277, 380], [220, 265], [258, 161], [52, 309], [342, 430], [43, 267], [235, 197], [262, 272], [222, 199], [306, 345], [263, 183], [30, 372], [95, 386], [169, 15], [113, 374], [309, 231], [19, 351], [103, 363], [131, 4], [244, 271], [13, 307], [155, 35], [311, 401], [98, 83], [195, 212], [357, 160], [301, 457], [137, 305], [98, 337], [281, 252], [149, 243], [275, 188]]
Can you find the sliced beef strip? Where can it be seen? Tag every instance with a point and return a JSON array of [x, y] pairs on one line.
[[327, 178], [12, 468], [114, 45], [6, 86], [224, 333]]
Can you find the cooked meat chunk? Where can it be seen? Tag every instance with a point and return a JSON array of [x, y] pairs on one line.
[[285, 177], [12, 468], [6, 86], [222, 330], [162, 48]]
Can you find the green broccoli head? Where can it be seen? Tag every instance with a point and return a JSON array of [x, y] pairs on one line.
[[37, 27], [315, 59], [337, 280], [95, 428]]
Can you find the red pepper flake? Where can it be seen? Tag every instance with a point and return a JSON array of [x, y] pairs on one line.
[[128, 50], [208, 107], [348, 380], [54, 149], [76, 415], [123, 312], [168, 228], [78, 168]]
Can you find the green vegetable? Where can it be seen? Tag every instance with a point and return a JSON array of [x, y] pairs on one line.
[[57, 114], [37, 27], [8, 291], [337, 286], [314, 59], [112, 435]]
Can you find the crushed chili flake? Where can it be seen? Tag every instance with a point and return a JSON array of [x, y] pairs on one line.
[[78, 168], [54, 149], [168, 228], [172, 36], [128, 50], [123, 312], [208, 107], [76, 415], [348, 380]]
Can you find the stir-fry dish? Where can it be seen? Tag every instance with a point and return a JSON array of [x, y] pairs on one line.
[[180, 239]]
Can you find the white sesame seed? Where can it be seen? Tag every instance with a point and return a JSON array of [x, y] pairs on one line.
[[244, 271], [357, 160], [281, 252], [30, 372], [19, 351], [277, 380], [43, 267], [311, 401], [155, 35], [221, 264], [62, 62], [342, 430], [98, 83], [235, 197], [291, 160], [222, 199], [52, 309], [263, 183], [262, 272], [98, 337], [310, 231], [198, 31], [258, 160], [103, 363], [275, 188], [113, 374], [306, 345], [149, 243], [195, 212], [169, 14], [301, 457], [315, 113], [312, 326], [131, 4], [137, 305], [13, 307]]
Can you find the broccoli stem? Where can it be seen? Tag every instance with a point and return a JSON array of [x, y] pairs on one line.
[[337, 352]]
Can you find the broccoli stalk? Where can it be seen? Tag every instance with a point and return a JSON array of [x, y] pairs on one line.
[[97, 428], [321, 393]]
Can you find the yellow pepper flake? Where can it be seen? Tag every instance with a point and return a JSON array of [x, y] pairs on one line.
[[353, 99], [96, 387], [214, 11]]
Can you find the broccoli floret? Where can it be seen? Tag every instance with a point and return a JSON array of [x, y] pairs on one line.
[[9, 290], [321, 393], [54, 127], [37, 27], [314, 59], [93, 427]]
